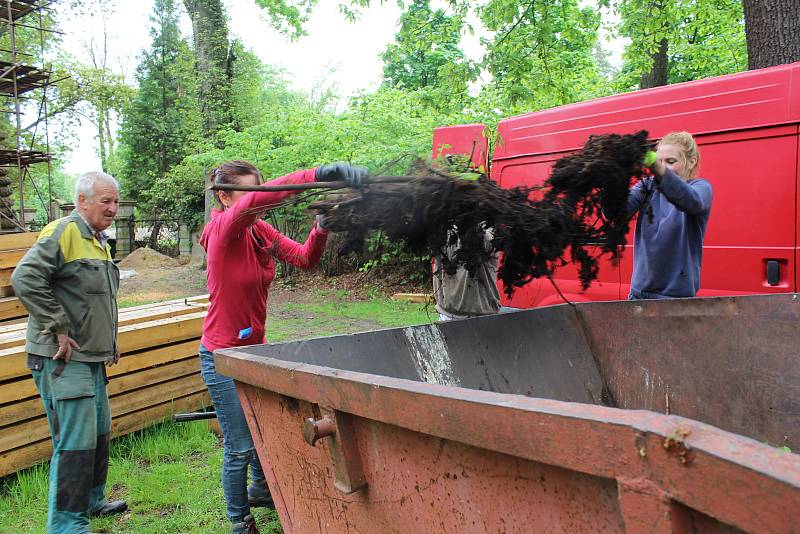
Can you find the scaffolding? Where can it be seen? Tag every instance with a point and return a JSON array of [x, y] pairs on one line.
[[17, 80]]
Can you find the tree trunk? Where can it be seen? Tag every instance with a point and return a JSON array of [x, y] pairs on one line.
[[101, 140], [772, 28], [658, 74], [212, 50]]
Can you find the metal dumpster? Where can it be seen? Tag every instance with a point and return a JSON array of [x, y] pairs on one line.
[[548, 420]]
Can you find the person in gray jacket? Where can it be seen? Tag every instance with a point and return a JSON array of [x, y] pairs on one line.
[[68, 283], [460, 295]]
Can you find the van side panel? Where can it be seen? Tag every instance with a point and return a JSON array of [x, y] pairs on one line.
[[737, 101], [468, 139]]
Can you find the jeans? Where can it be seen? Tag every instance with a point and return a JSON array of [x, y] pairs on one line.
[[76, 403], [238, 449]]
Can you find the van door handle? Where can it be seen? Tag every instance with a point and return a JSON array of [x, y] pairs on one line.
[[773, 272]]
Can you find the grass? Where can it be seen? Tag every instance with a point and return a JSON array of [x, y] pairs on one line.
[[333, 313], [170, 474]]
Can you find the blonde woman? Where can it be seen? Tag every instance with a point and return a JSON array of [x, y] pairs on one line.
[[674, 206]]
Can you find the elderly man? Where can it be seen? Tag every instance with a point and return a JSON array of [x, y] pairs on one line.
[[68, 283]]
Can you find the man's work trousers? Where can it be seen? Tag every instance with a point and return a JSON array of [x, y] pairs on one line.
[[76, 402]]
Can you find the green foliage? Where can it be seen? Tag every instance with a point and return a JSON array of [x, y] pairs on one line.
[[541, 54], [162, 124], [426, 55], [705, 38], [288, 16]]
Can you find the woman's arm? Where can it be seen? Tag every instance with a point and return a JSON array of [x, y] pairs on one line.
[[306, 255], [236, 219], [637, 196], [692, 198]]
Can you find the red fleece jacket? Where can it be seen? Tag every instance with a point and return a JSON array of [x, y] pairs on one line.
[[240, 267]]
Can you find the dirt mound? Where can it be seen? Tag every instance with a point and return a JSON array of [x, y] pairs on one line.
[[147, 258]]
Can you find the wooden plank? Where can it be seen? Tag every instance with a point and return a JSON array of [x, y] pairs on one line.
[[24, 388], [11, 307], [20, 458], [197, 299], [121, 403], [20, 411], [161, 332], [154, 375], [131, 401], [36, 452], [413, 297], [153, 357], [29, 407], [17, 390], [5, 276], [13, 335], [18, 240], [13, 361], [10, 258], [151, 393], [24, 433], [126, 315]]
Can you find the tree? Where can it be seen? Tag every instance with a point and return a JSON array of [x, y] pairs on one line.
[[426, 55], [214, 63], [100, 97], [541, 54], [161, 126], [679, 40], [773, 32]]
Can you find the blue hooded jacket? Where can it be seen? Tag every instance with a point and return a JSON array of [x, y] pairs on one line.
[[668, 242]]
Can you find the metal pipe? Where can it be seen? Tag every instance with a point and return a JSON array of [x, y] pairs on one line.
[[309, 185]]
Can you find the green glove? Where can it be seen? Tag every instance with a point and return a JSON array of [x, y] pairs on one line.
[[649, 158], [469, 176]]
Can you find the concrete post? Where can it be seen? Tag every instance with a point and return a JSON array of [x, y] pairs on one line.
[[124, 225], [185, 240]]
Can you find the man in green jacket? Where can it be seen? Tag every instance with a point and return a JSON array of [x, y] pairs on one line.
[[68, 283]]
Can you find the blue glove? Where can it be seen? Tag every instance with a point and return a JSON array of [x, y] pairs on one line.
[[344, 172]]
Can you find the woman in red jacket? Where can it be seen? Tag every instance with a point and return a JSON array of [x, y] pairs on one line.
[[240, 253]]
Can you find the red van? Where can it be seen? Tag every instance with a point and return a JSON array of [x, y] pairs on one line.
[[748, 128]]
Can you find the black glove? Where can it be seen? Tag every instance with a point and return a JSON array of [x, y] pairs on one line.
[[334, 172]]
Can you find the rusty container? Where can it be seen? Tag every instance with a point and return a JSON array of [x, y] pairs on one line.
[[668, 416]]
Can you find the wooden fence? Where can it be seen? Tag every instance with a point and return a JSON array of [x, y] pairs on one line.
[[157, 375]]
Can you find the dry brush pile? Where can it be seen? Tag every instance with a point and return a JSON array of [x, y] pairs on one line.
[[578, 214]]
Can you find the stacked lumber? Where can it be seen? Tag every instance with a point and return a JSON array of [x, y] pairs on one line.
[[12, 248], [157, 376]]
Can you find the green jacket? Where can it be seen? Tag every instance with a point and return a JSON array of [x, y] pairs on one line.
[[68, 283]]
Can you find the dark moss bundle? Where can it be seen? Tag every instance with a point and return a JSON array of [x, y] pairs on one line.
[[580, 215]]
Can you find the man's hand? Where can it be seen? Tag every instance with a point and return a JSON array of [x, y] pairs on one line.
[[65, 346], [334, 172], [116, 358]]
